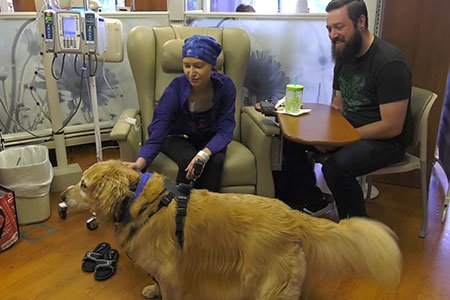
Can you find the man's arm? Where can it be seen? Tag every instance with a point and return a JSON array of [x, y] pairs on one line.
[[391, 123], [336, 101]]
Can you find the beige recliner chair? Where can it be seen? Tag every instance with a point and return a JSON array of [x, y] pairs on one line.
[[155, 59]]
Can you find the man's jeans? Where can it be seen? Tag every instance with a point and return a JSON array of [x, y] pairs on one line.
[[340, 171]]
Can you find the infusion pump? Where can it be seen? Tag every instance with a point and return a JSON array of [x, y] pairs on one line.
[[74, 32], [68, 32]]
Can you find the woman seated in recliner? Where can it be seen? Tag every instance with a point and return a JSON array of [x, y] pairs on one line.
[[195, 117]]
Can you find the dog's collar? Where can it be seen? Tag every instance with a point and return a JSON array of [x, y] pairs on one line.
[[124, 213]]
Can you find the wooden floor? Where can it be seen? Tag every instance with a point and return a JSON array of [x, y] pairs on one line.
[[45, 263]]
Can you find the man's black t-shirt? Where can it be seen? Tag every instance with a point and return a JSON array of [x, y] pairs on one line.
[[380, 76]]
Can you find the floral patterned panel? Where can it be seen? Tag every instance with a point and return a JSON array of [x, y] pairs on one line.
[[23, 98], [282, 50]]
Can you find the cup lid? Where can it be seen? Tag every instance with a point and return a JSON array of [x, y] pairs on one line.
[[295, 87]]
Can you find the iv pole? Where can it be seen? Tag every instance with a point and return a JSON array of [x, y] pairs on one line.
[[92, 92], [70, 174], [64, 174], [94, 106]]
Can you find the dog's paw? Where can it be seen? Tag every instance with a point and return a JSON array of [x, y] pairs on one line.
[[151, 291]]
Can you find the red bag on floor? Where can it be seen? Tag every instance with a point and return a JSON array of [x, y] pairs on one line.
[[9, 224]]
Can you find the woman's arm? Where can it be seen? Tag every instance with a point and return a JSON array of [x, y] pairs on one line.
[[159, 127]]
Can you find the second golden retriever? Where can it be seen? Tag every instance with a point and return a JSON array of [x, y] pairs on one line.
[[235, 246]]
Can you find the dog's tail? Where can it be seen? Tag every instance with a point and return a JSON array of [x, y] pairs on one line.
[[355, 246]]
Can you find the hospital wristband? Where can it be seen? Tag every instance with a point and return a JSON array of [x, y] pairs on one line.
[[203, 155]]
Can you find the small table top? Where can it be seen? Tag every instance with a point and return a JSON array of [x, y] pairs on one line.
[[322, 126]]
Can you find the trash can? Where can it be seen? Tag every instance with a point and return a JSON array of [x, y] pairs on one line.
[[28, 172]]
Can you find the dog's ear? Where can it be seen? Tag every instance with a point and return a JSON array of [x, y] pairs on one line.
[[132, 176], [108, 192]]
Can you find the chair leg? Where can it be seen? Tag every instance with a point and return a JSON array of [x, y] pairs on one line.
[[424, 190], [369, 188]]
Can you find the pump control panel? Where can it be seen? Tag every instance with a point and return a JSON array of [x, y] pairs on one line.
[[69, 32], [49, 27], [90, 32]]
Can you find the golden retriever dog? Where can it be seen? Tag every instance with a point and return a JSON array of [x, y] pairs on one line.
[[235, 246]]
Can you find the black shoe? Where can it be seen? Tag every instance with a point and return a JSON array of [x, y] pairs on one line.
[[318, 208], [298, 205], [293, 202]]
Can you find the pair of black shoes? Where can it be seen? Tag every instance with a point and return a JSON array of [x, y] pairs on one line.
[[320, 207], [102, 261]]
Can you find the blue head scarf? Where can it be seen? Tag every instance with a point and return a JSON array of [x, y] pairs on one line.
[[202, 47]]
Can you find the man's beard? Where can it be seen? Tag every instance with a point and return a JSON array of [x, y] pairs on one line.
[[349, 51]]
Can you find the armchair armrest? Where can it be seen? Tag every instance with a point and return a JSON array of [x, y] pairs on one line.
[[257, 132], [127, 135], [265, 124], [122, 128]]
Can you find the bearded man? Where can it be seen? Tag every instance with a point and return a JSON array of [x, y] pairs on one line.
[[372, 88]]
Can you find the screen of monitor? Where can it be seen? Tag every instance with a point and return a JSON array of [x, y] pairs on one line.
[[69, 26]]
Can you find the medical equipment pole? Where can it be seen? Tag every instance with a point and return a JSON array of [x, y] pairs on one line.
[[94, 107], [63, 174]]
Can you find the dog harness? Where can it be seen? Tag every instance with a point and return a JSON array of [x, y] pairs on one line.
[[180, 192]]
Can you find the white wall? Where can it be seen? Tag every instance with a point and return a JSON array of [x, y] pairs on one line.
[[372, 12]]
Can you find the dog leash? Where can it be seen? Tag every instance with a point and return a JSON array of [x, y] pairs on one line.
[[181, 193], [184, 193]]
